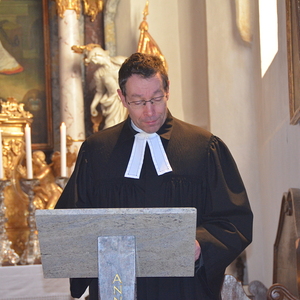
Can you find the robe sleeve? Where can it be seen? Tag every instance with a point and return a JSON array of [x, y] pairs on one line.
[[78, 191], [77, 194], [225, 226]]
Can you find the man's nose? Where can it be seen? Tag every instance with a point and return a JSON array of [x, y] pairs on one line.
[[148, 108]]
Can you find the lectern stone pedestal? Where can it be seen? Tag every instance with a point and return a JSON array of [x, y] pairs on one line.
[[116, 267], [126, 242]]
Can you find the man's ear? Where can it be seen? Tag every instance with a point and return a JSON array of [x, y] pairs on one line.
[[168, 89], [122, 97]]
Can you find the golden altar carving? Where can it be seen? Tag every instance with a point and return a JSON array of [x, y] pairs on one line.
[[13, 119], [91, 7], [146, 42], [42, 192]]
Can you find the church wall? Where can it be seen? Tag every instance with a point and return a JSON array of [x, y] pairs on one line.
[[213, 77], [163, 30], [247, 109], [216, 82], [233, 69], [279, 142], [181, 41], [193, 62]]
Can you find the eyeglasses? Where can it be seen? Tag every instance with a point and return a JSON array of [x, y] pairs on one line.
[[141, 103]]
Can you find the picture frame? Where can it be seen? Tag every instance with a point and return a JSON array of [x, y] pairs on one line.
[[25, 66], [293, 57]]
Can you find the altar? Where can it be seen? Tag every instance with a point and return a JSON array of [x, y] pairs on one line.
[[28, 283]]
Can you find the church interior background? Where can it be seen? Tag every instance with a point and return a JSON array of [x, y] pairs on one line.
[[229, 67]]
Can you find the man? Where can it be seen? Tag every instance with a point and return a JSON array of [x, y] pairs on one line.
[[155, 160]]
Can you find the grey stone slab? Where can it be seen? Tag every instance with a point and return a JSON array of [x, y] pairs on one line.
[[164, 239], [116, 267]]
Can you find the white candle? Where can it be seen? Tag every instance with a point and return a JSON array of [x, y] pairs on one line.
[[28, 152], [63, 150], [1, 156]]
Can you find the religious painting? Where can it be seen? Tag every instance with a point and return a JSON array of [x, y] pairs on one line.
[[25, 63], [293, 50]]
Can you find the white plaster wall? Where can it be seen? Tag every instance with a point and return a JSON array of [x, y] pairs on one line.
[[193, 61], [179, 38], [250, 112], [163, 30], [279, 142], [232, 70], [216, 83]]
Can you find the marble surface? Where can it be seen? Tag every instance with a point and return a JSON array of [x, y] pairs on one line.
[[110, 12], [116, 267], [70, 78], [164, 239], [27, 283]]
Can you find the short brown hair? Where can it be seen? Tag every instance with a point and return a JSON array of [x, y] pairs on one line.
[[145, 65]]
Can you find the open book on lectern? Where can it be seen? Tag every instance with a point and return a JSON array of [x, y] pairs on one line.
[[164, 237]]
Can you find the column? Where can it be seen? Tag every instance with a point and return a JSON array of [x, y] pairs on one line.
[[70, 69]]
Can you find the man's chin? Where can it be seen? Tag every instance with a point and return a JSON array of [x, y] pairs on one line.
[[150, 128]]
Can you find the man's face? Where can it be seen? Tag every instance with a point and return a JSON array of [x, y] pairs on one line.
[[148, 117]]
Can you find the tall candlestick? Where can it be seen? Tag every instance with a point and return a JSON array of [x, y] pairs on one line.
[[28, 152], [1, 156], [63, 150]]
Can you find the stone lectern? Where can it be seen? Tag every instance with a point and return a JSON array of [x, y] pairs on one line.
[[117, 245]]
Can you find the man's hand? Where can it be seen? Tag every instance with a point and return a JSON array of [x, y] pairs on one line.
[[197, 250]]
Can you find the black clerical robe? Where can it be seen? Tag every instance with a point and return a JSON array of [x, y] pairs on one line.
[[204, 175]]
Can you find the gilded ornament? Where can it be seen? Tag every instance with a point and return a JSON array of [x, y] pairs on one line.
[[13, 119], [146, 42], [11, 108], [91, 7], [47, 192], [18, 205], [63, 5], [84, 48]]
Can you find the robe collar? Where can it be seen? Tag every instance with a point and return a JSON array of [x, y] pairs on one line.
[[158, 153], [164, 132]]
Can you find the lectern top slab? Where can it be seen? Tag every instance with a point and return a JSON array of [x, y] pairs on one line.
[[164, 239]]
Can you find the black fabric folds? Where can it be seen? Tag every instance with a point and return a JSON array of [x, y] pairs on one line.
[[204, 176]]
